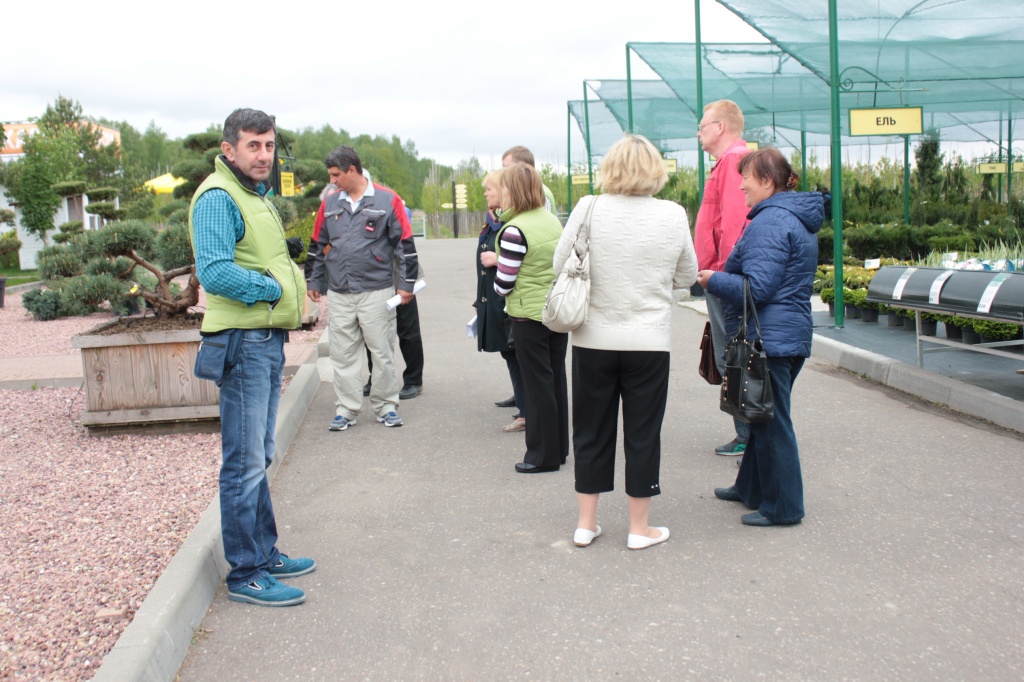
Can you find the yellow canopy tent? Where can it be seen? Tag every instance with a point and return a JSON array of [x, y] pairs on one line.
[[163, 184]]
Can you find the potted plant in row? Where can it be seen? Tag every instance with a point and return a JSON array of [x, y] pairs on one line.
[[991, 331], [850, 297], [828, 297]]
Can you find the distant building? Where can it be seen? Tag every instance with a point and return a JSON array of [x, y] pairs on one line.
[[71, 208]]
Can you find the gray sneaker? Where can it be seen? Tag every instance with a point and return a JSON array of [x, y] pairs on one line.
[[733, 447], [390, 419], [341, 423]]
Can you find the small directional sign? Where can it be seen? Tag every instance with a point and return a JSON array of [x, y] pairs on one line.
[[287, 184], [446, 206]]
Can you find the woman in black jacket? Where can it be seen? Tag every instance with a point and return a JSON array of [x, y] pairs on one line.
[[492, 332]]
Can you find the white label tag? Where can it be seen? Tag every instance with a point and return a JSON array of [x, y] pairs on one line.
[[897, 292], [985, 304], [933, 294]]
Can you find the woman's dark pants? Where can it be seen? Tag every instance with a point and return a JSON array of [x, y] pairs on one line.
[[769, 478]]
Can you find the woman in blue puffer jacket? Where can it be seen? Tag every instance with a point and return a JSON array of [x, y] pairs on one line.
[[778, 254]]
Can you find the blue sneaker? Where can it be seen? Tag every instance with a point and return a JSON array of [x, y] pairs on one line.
[[390, 419], [292, 568], [267, 592], [341, 423]]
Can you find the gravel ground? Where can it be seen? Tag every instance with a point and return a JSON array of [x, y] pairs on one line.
[[87, 524]]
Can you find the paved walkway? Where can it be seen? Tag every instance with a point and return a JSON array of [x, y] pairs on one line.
[[437, 561]]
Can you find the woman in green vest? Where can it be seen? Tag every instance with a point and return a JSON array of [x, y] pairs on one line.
[[526, 246]]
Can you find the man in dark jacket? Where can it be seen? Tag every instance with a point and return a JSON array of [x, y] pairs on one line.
[[364, 232], [410, 340]]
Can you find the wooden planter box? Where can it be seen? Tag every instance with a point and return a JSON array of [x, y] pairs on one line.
[[143, 377]]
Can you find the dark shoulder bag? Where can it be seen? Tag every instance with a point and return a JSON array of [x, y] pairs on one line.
[[746, 386], [708, 368]]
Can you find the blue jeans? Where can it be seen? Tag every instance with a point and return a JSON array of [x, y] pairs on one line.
[[769, 478], [248, 419], [719, 339]]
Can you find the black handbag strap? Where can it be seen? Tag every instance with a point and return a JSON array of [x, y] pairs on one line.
[[752, 310]]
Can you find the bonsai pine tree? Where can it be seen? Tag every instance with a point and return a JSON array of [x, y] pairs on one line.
[[124, 260]]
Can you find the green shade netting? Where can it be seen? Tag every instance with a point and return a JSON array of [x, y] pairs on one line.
[[957, 59], [776, 91]]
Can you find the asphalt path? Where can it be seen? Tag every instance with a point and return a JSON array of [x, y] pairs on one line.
[[437, 561]]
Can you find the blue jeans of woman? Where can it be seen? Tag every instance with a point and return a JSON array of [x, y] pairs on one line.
[[248, 419], [769, 478]]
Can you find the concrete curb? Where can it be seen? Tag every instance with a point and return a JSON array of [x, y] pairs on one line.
[[17, 288], [30, 384], [155, 644], [942, 390]]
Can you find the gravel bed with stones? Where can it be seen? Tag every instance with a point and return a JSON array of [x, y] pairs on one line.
[[87, 524]]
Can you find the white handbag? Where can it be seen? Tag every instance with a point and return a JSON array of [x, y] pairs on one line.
[[568, 299]]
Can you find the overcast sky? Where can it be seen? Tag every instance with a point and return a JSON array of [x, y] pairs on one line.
[[459, 79]]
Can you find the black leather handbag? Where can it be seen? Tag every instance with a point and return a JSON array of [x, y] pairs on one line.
[[746, 386]]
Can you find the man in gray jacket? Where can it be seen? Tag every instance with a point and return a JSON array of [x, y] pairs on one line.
[[360, 239]]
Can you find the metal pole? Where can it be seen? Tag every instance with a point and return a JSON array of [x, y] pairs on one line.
[[586, 115], [568, 157], [837, 162], [1000, 159], [700, 102], [906, 179], [629, 94], [1009, 158], [455, 213], [803, 160]]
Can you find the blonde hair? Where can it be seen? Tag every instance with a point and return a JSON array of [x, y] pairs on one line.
[[729, 113], [525, 190], [633, 166], [492, 179]]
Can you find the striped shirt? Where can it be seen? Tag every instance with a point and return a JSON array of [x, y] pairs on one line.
[[217, 226], [512, 251]]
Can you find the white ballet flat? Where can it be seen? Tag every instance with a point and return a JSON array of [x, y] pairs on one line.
[[583, 537], [643, 542]]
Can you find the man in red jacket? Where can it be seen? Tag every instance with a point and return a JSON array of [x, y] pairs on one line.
[[720, 222]]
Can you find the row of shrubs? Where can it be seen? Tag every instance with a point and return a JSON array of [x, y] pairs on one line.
[[913, 242]]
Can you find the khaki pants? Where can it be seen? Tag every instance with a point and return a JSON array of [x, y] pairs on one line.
[[355, 320]]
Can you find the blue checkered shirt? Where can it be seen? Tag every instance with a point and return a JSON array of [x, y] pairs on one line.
[[217, 225]]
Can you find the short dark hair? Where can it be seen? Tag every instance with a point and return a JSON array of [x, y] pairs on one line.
[[343, 158], [249, 120], [769, 164], [521, 154]]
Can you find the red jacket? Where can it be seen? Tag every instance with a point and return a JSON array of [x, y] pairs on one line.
[[723, 213]]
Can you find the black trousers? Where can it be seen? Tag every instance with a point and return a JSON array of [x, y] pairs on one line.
[[600, 378], [410, 343], [541, 355]]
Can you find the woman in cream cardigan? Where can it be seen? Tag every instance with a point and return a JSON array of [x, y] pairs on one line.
[[641, 257]]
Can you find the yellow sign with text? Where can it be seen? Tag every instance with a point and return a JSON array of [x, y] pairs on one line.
[[991, 168], [901, 121], [999, 168], [287, 184], [583, 179], [670, 165]]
